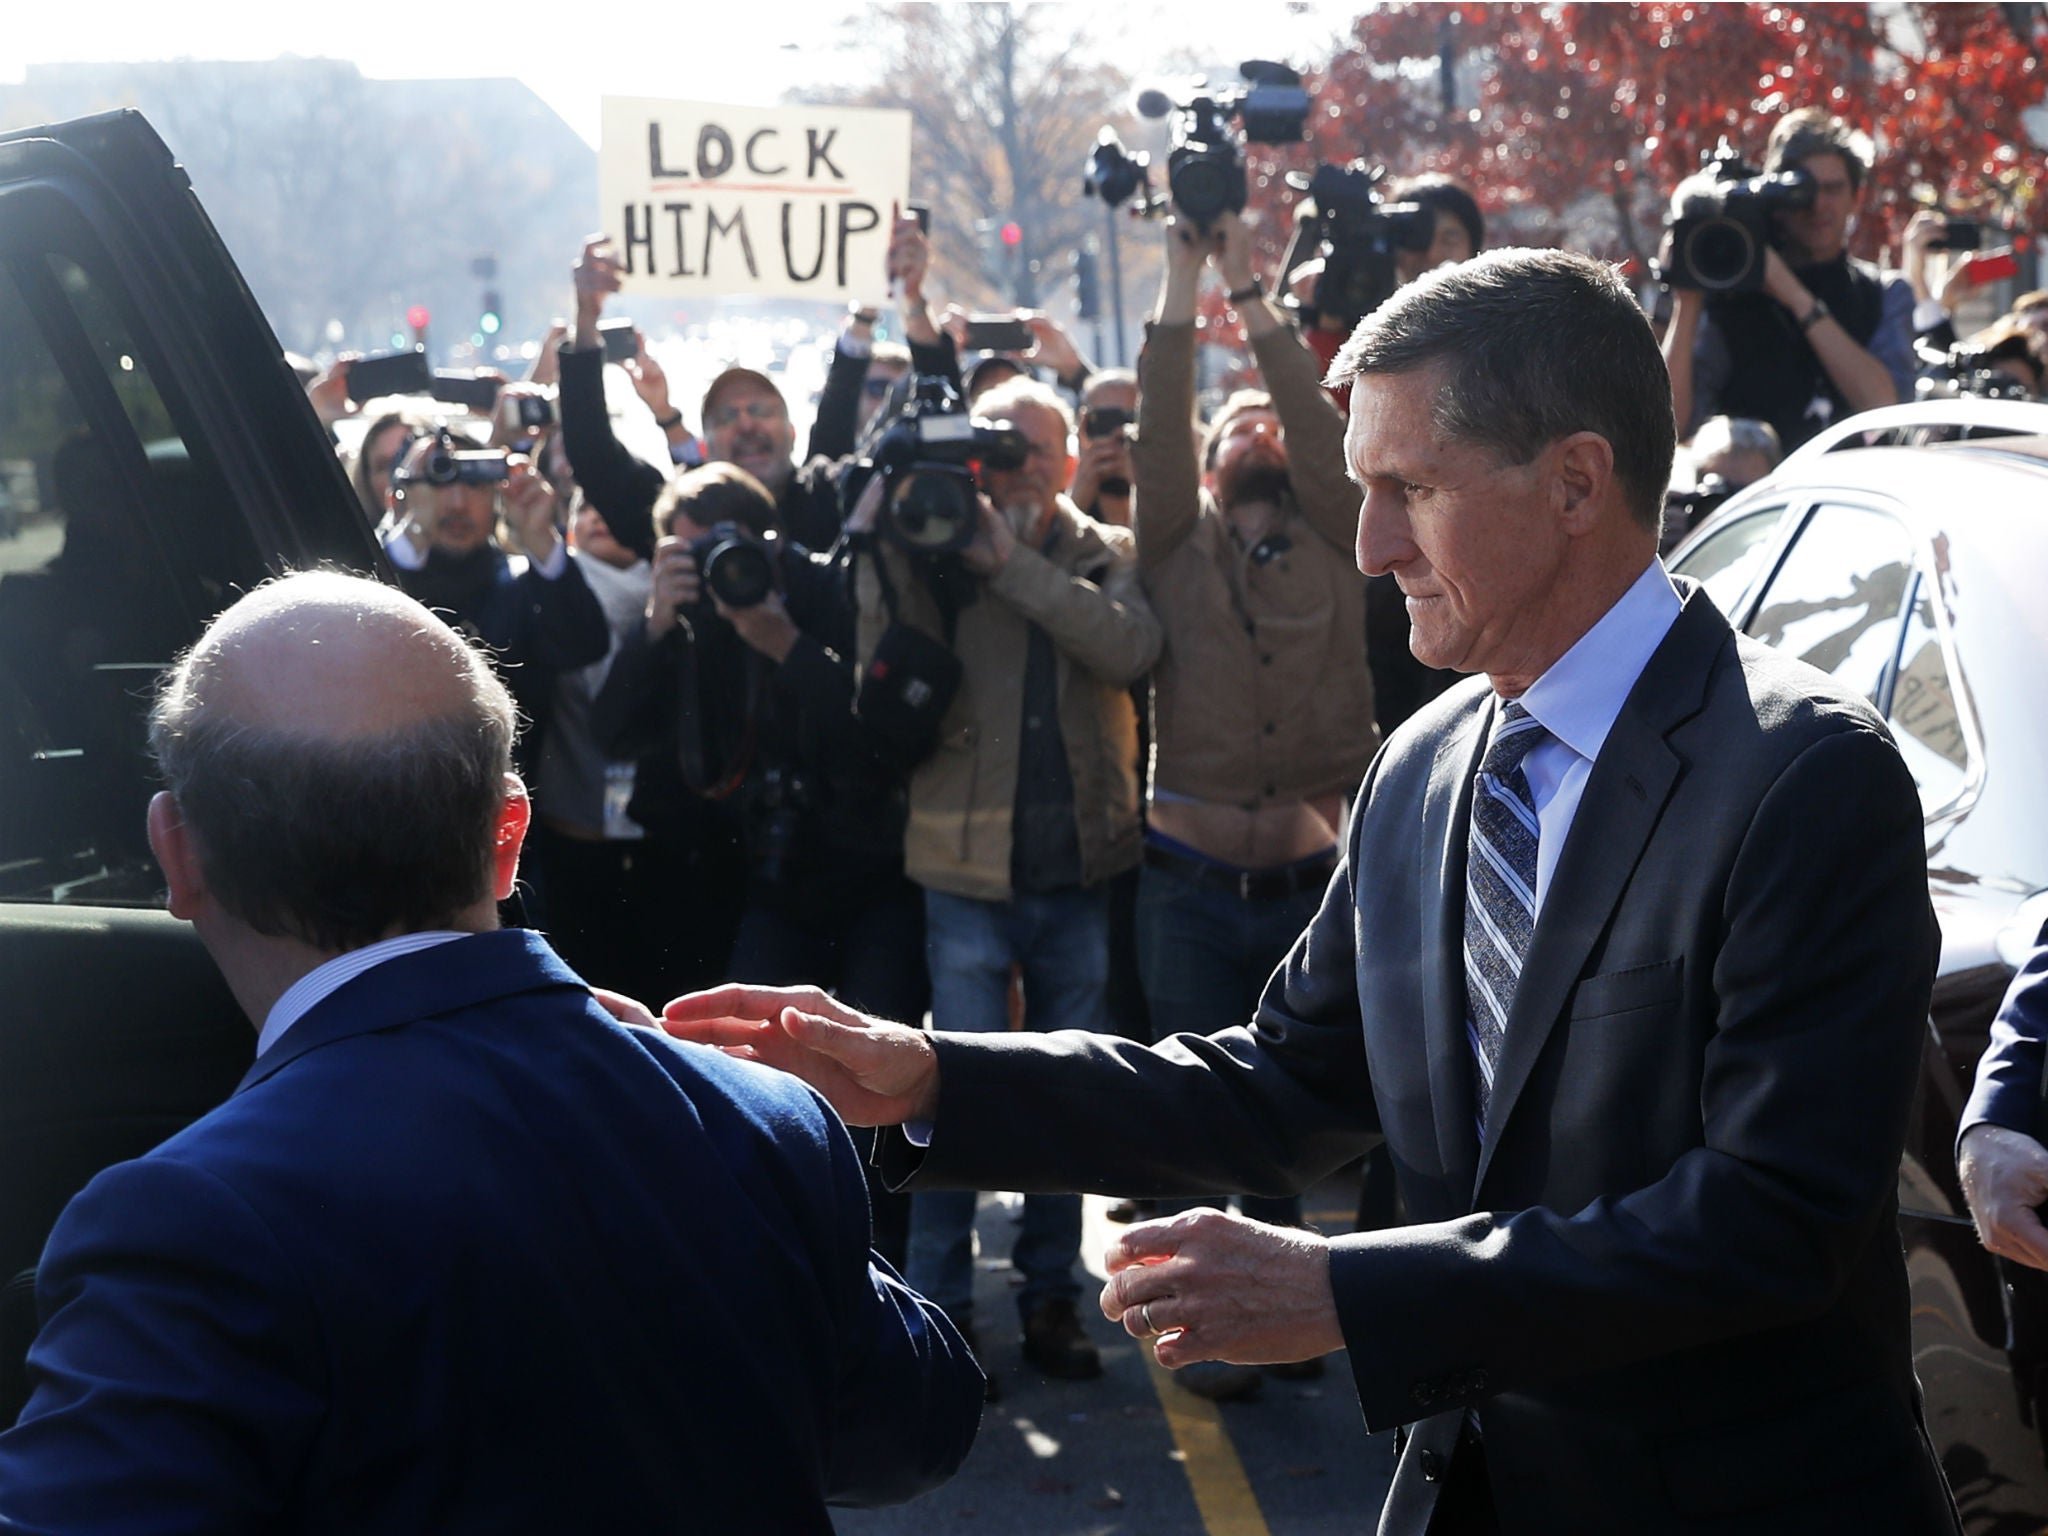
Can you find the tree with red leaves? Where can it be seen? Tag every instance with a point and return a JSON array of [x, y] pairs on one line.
[[1573, 122]]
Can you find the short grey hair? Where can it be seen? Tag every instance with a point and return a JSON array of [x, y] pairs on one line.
[[998, 401], [1536, 345], [1737, 434], [338, 843]]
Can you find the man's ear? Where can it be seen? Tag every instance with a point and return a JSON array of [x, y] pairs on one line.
[[513, 820], [177, 852], [1584, 466]]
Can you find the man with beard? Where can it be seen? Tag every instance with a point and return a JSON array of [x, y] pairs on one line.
[[1262, 699], [1024, 812], [1826, 335], [535, 611]]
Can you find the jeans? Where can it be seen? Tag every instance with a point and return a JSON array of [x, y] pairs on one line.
[[1062, 943], [1205, 955]]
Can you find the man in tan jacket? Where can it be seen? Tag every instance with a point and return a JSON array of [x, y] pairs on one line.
[[1022, 814], [1262, 697]]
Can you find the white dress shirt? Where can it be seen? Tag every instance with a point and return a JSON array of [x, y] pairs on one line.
[[1578, 700], [316, 984]]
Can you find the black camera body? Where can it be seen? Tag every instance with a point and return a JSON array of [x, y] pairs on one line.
[[1116, 175], [736, 565], [1358, 235], [445, 465], [930, 456], [1205, 167], [1720, 222]]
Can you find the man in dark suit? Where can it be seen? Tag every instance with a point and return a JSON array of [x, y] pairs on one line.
[[461, 1253], [1627, 962], [1999, 1156]]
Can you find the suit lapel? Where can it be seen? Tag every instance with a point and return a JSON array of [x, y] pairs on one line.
[[1623, 800], [1446, 815], [459, 974]]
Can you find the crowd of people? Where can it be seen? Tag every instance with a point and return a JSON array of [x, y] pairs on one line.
[[1168, 673], [1104, 753]]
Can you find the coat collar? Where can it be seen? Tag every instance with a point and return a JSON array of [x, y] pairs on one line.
[[1631, 783], [460, 974]]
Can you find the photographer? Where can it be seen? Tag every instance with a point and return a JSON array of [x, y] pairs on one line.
[[1027, 807], [1262, 699], [534, 611], [745, 422], [1103, 475], [1825, 336]]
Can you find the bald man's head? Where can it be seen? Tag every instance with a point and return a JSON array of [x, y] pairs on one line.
[[340, 756]]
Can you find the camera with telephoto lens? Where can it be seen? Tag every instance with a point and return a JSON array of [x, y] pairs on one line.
[[1205, 167], [446, 464], [1116, 175], [1720, 222], [1358, 234], [929, 455], [735, 564]]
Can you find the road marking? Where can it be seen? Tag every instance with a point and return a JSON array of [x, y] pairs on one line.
[[1223, 1495]]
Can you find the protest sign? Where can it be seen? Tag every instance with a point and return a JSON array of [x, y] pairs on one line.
[[701, 199]]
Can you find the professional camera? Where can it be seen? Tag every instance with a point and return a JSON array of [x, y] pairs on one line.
[[734, 563], [928, 455], [1344, 221], [1964, 370], [1721, 221], [1205, 167], [445, 464], [1116, 175]]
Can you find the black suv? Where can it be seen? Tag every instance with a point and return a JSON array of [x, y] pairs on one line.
[[159, 458]]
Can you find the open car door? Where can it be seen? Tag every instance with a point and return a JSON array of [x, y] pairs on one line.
[[157, 458]]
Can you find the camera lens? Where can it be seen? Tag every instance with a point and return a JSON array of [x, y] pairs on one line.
[[1719, 253], [933, 510], [738, 573]]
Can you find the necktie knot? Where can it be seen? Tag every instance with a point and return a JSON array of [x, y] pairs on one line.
[[1515, 735]]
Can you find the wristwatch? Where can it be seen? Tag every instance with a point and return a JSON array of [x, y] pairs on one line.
[[672, 419], [1815, 315], [1249, 291]]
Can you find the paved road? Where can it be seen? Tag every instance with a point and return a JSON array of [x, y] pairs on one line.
[[1132, 1454]]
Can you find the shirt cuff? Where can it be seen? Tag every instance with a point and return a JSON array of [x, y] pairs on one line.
[[853, 346], [401, 553], [917, 1132], [1927, 314], [557, 562]]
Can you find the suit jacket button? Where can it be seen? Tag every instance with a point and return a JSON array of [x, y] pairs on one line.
[[1432, 1467]]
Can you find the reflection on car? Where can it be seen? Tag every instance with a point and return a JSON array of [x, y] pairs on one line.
[[1905, 552]]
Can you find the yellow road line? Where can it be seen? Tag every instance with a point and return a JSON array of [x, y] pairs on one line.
[[1223, 1495]]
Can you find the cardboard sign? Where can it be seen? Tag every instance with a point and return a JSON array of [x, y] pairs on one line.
[[701, 200]]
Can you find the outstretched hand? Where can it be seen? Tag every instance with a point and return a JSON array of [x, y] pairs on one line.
[[2005, 1181], [869, 1070]]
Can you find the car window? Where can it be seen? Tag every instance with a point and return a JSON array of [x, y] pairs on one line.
[[1725, 562], [1924, 717], [112, 554], [1834, 601]]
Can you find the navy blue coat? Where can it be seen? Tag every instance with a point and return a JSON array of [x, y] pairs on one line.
[[463, 1254], [2009, 1074]]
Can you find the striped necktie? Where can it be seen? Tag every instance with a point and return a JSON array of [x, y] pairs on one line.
[[1500, 891]]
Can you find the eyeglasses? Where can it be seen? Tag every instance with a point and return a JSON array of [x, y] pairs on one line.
[[753, 410]]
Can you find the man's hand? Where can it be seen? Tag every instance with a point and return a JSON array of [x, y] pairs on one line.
[[546, 367], [676, 585], [766, 626], [649, 382], [1101, 458], [1781, 285], [329, 392], [1234, 251], [506, 427], [1054, 348], [2005, 1181], [993, 542], [869, 1070], [1208, 1286], [910, 258], [529, 504], [597, 274]]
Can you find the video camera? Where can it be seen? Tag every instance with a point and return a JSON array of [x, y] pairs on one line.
[[1343, 219], [1205, 167], [929, 453], [1116, 175], [1720, 222]]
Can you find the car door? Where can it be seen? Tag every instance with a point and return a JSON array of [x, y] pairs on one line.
[[158, 458]]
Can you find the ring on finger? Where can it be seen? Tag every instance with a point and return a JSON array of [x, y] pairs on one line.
[[1145, 1317]]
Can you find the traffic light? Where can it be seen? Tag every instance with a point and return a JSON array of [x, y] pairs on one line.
[[492, 319], [1013, 234], [1087, 286]]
